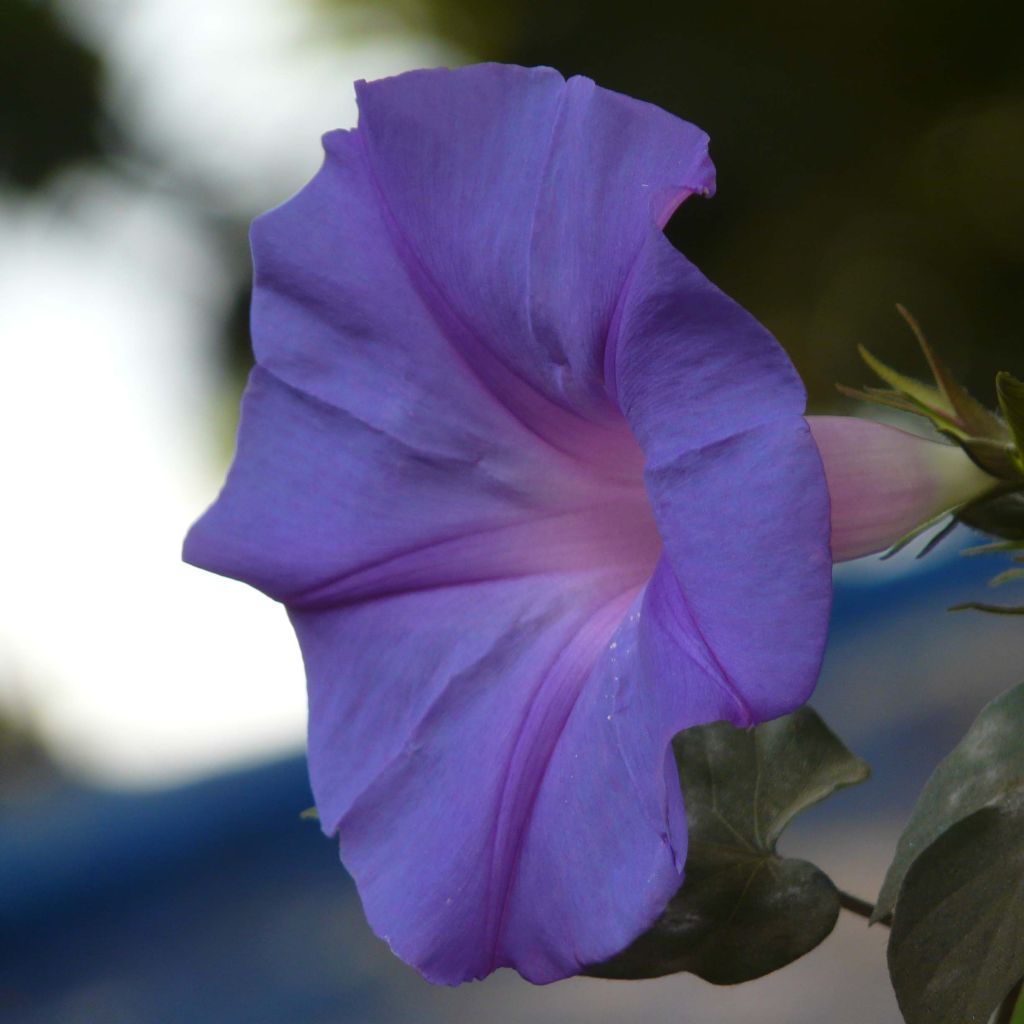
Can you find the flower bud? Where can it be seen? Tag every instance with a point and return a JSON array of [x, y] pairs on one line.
[[884, 482]]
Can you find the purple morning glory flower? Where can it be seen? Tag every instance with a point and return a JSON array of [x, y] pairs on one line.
[[536, 495]]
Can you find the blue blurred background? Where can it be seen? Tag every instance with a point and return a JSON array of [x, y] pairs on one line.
[[153, 864]]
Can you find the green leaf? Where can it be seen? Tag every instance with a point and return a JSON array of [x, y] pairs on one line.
[[744, 911], [957, 943], [1011, 401], [983, 769]]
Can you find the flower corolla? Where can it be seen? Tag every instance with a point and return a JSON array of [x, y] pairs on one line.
[[536, 495], [885, 483]]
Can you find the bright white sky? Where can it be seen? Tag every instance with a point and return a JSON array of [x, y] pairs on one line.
[[138, 669]]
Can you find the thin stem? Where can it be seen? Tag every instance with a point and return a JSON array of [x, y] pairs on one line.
[[1004, 1015], [862, 908]]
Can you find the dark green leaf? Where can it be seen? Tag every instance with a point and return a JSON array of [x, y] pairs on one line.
[[957, 943], [743, 910], [982, 769], [735, 923]]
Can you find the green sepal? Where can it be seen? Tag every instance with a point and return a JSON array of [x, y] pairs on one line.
[[911, 394], [938, 538], [946, 403], [743, 911], [1010, 392], [916, 532], [997, 458], [992, 445], [995, 548], [879, 396], [975, 420], [999, 514], [1007, 576], [890, 399], [998, 547]]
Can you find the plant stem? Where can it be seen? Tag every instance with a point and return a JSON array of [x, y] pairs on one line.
[[862, 908], [1004, 1015]]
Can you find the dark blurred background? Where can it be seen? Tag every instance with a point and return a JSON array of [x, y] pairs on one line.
[[867, 154], [152, 863]]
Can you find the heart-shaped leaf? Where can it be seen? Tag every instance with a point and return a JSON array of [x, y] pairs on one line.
[[744, 911]]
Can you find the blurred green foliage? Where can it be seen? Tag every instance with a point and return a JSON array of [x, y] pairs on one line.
[[25, 765], [868, 154], [50, 110]]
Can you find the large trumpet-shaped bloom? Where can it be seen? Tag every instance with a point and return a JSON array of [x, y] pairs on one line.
[[536, 495]]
